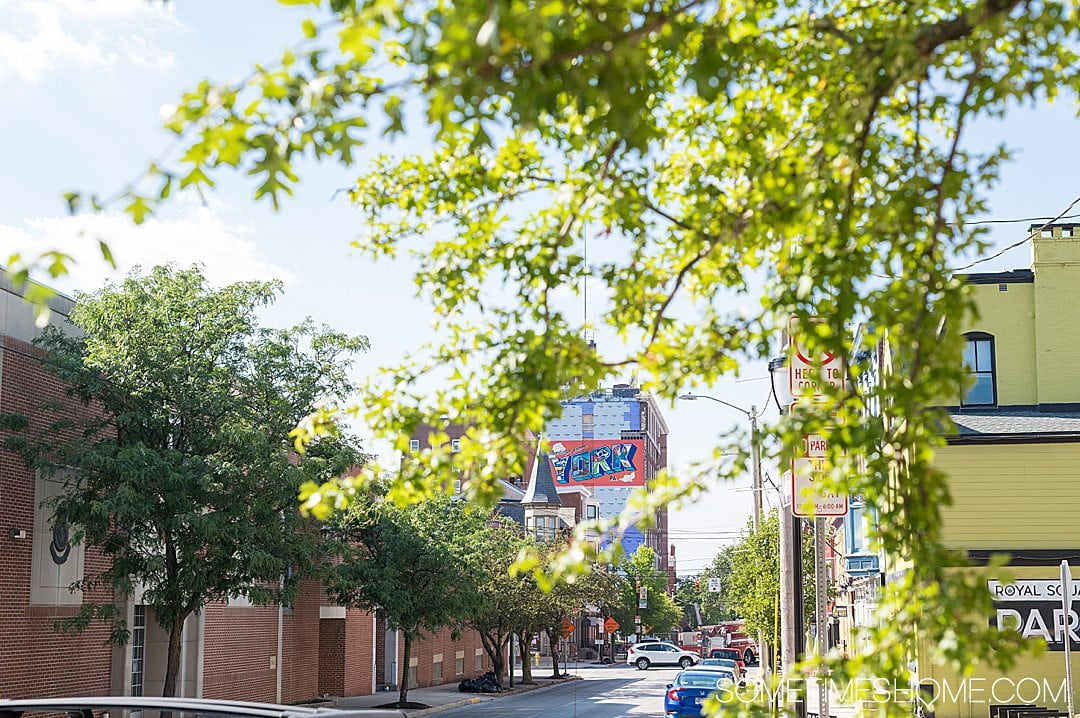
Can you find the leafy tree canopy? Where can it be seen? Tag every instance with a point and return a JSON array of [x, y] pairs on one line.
[[812, 148]]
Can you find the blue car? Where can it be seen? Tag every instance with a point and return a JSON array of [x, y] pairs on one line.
[[691, 687]]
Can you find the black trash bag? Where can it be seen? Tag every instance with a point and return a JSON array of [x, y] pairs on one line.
[[487, 683]]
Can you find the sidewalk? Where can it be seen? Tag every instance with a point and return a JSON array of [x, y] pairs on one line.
[[446, 697]]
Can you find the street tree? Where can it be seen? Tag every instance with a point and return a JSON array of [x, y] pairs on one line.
[[545, 609], [694, 593], [606, 588], [738, 163], [416, 564], [184, 476], [752, 588], [497, 608], [660, 613]]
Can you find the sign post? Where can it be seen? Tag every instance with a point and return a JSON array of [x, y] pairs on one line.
[[810, 375], [1066, 607]]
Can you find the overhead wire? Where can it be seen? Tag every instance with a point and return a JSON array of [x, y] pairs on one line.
[[1025, 240]]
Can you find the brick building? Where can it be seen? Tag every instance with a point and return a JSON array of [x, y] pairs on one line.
[[36, 561], [230, 650]]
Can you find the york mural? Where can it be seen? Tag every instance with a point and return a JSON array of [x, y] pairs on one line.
[[598, 462]]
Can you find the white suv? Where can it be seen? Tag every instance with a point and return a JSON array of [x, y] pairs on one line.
[[659, 653]]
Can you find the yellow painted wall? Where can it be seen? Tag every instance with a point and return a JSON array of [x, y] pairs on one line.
[[1036, 679], [1057, 305], [1012, 495], [1010, 317]]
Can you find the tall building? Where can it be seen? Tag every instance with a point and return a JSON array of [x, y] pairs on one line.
[[612, 442]]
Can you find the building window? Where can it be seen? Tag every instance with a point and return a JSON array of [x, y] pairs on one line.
[[412, 677], [436, 672], [138, 649], [979, 363], [414, 445], [455, 445], [590, 512], [479, 660], [459, 666], [588, 423]]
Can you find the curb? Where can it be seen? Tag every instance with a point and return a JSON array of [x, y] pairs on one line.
[[444, 707], [488, 696]]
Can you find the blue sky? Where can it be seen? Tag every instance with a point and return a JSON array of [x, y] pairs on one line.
[[84, 82]]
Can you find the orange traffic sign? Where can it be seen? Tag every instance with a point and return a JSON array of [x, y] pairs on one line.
[[567, 628], [611, 625]]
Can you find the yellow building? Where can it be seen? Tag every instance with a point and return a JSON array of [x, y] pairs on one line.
[[1014, 467]]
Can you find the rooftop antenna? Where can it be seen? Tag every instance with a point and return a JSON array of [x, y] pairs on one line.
[[591, 340]]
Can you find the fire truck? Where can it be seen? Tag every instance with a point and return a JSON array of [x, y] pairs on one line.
[[728, 634]]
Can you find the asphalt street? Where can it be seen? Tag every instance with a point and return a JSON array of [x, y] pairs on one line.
[[603, 692]]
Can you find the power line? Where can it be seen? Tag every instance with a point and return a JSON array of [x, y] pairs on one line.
[[1020, 220], [1063, 215]]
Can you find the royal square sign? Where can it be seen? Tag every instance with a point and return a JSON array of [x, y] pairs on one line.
[[1033, 608]]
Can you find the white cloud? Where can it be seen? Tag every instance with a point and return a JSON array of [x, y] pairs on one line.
[[41, 38], [198, 235]]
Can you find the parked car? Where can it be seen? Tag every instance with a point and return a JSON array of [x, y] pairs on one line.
[[723, 663], [733, 654], [659, 653], [690, 689]]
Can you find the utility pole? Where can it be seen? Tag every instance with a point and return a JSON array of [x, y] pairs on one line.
[[755, 460], [755, 452]]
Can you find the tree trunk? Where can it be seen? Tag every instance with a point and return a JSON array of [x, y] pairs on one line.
[[403, 687], [553, 639], [499, 661], [493, 647], [172, 663], [525, 638]]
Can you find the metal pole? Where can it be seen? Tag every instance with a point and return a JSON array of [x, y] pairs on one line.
[[797, 607], [821, 593], [787, 589], [511, 659], [755, 453], [1066, 604]]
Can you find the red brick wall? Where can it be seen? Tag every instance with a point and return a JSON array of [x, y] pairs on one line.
[[359, 652], [300, 646], [239, 647], [380, 653], [35, 660], [240, 650], [347, 654], [332, 656], [442, 642]]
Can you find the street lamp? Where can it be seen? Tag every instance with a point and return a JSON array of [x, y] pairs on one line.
[[755, 450], [792, 636], [755, 447]]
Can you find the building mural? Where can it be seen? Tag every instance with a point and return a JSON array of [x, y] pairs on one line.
[[592, 462]]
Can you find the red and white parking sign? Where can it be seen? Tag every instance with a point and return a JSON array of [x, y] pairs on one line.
[[809, 375]]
